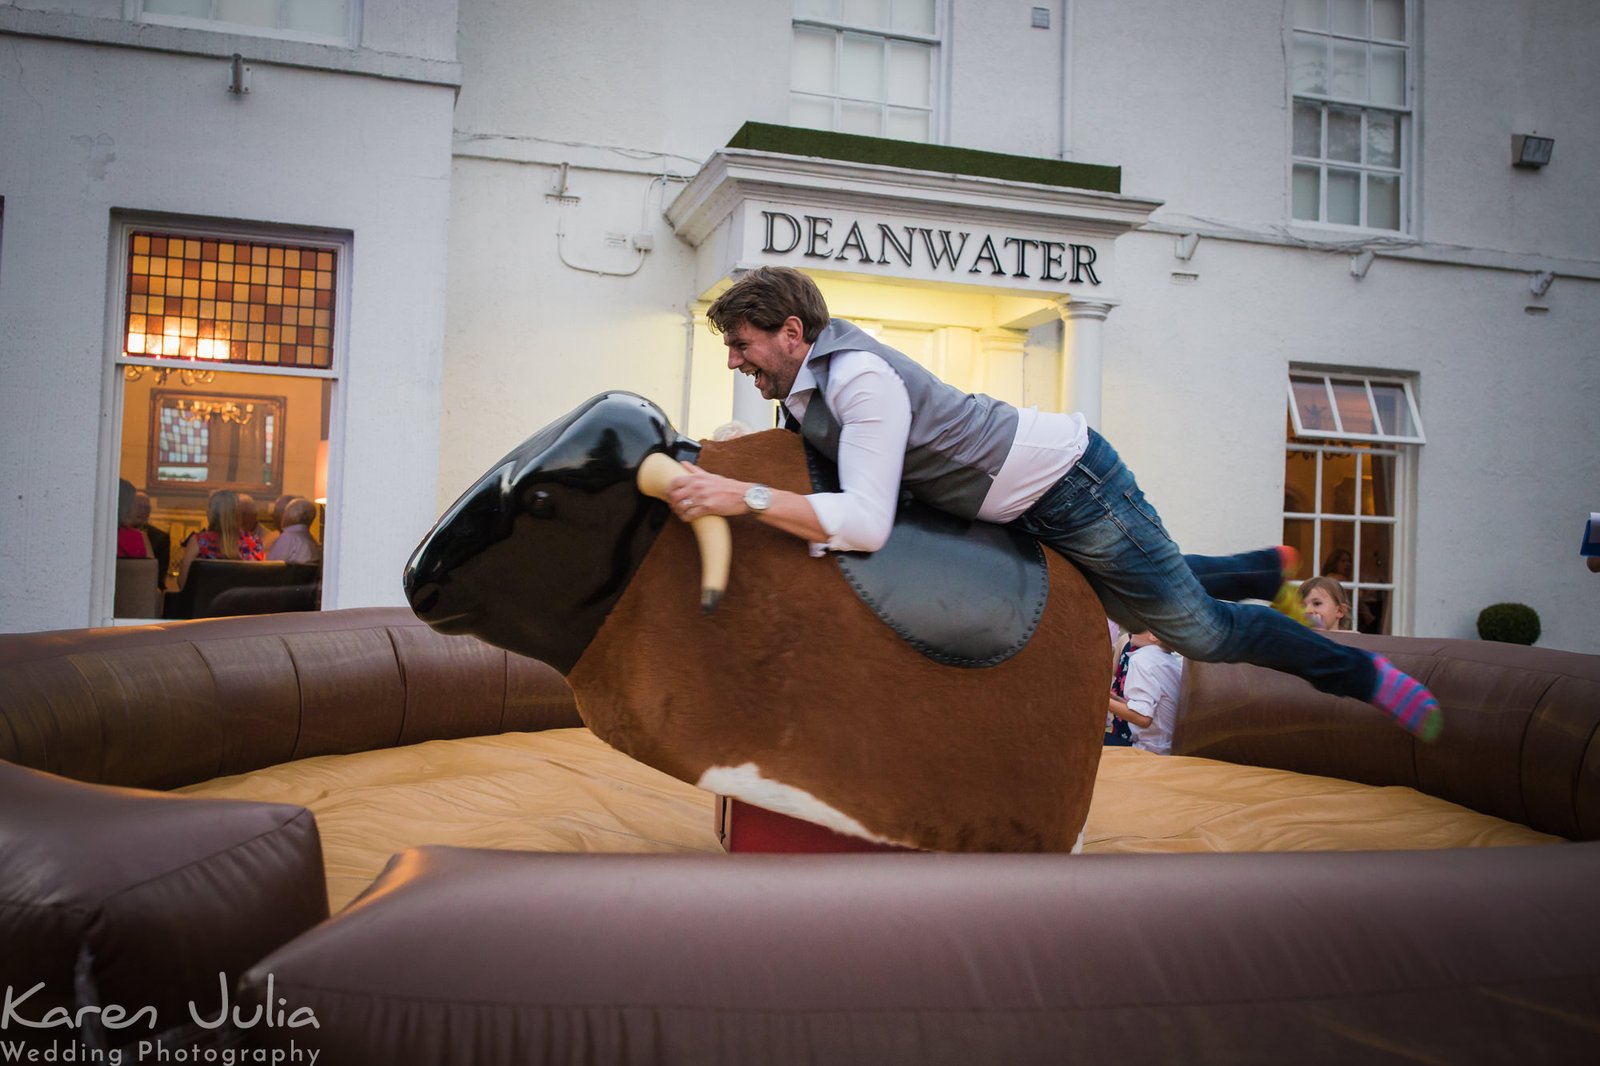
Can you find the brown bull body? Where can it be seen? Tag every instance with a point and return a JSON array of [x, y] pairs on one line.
[[796, 697]]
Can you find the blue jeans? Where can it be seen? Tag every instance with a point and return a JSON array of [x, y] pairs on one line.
[[1097, 517], [1256, 575]]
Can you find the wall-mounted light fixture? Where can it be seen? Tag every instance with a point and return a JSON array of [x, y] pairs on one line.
[[1530, 151], [238, 75], [1541, 282], [1361, 263], [1185, 245]]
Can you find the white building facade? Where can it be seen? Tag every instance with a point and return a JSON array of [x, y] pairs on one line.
[[1277, 250]]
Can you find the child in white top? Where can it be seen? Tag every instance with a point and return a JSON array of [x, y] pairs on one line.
[[1150, 693]]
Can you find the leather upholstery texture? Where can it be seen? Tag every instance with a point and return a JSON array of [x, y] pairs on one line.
[[167, 705], [461, 955], [138, 899], [1521, 737]]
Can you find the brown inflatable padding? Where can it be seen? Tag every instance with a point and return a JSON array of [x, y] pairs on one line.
[[112, 896], [454, 956], [226, 696], [1521, 736]]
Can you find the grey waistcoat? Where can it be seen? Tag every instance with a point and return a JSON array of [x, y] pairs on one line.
[[957, 442]]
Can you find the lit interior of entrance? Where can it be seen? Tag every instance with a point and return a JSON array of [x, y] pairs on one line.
[[977, 340]]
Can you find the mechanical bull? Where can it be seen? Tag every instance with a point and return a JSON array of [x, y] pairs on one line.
[[911, 704]]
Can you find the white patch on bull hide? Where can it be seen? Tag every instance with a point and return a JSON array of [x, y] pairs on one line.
[[1077, 848], [746, 783]]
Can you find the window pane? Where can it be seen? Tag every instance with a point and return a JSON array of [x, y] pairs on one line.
[[819, 9], [197, 9], [1375, 564], [1383, 139], [1311, 400], [249, 12], [1388, 75], [865, 119], [1383, 201], [866, 13], [1307, 129], [1348, 64], [810, 112], [1310, 64], [1297, 534], [1348, 17], [861, 68], [1344, 197], [1355, 413], [1300, 483], [811, 61], [1377, 497], [1394, 413], [1338, 558], [1307, 193], [906, 125], [910, 71], [1372, 611], [1340, 481], [328, 17], [1344, 135], [913, 16], [1389, 19], [1311, 14]]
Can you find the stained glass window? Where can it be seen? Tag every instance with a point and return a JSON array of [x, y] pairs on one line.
[[230, 300]]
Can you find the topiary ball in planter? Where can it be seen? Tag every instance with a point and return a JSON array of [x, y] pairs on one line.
[[1512, 623]]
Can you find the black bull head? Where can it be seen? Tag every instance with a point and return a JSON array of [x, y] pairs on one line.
[[558, 526]]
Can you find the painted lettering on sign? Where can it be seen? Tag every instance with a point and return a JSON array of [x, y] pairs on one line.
[[951, 251]]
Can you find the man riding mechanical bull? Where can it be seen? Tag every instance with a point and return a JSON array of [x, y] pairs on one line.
[[976, 724]]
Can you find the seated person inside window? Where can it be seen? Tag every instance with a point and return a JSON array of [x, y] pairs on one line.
[[131, 540], [296, 544], [222, 537]]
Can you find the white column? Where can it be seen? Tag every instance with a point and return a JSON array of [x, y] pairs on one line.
[[1081, 354], [1003, 365]]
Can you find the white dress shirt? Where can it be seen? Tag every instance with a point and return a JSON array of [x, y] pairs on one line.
[[874, 412]]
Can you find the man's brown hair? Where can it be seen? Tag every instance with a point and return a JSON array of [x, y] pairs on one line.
[[766, 297]]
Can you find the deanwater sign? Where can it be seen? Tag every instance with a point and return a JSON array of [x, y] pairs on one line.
[[919, 249]]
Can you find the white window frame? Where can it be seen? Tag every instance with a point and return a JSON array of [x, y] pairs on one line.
[[936, 72], [1397, 588], [112, 392], [1366, 381], [1403, 448], [135, 11], [1405, 118]]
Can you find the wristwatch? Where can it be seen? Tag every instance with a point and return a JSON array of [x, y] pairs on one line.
[[758, 498]]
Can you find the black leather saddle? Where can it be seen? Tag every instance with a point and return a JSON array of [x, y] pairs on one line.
[[962, 593]]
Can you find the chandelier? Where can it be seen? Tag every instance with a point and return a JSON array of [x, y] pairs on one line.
[[205, 410], [187, 375]]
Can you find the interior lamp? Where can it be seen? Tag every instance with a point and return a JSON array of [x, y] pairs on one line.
[[319, 482]]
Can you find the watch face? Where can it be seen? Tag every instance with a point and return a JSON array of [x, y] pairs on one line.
[[758, 497]]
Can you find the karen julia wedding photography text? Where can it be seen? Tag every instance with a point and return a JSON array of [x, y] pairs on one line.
[[93, 1033]]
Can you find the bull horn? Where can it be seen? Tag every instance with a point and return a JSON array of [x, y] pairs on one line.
[[656, 475]]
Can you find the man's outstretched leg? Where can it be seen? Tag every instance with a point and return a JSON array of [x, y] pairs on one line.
[[1097, 517]]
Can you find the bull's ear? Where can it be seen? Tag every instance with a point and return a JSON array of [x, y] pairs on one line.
[[685, 450]]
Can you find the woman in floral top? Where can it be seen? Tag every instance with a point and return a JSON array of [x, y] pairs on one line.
[[221, 539]]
